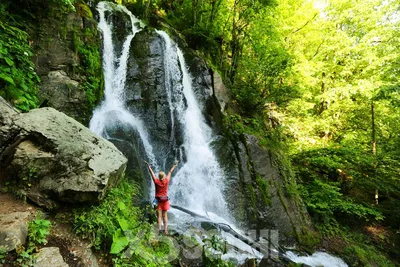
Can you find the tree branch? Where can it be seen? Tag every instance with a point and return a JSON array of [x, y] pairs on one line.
[[299, 29], [305, 24], [316, 52]]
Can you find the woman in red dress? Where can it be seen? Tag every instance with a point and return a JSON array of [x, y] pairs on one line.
[[161, 185]]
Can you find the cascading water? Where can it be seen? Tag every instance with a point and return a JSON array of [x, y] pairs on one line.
[[112, 111], [317, 259], [198, 185]]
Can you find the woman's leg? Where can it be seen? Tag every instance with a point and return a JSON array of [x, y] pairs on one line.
[[165, 219], [159, 219]]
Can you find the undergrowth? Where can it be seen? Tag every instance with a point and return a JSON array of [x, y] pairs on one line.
[[117, 226], [38, 230], [18, 79]]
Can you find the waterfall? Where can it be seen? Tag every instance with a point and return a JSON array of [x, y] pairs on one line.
[[112, 112], [198, 185]]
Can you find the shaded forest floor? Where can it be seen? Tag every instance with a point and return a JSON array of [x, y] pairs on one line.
[[75, 251]]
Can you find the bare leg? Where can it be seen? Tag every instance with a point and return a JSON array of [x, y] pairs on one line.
[[165, 219], [159, 219]]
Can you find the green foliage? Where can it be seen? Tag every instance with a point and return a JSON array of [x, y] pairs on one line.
[[3, 253], [263, 186], [118, 227], [86, 45], [324, 200], [367, 256], [67, 5], [25, 257], [350, 172], [38, 230], [308, 239], [99, 223], [250, 100], [213, 248], [237, 125], [328, 178], [29, 178], [18, 80], [360, 251]]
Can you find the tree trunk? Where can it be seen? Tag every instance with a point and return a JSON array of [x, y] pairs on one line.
[[235, 44], [374, 144], [195, 10], [147, 9], [373, 130]]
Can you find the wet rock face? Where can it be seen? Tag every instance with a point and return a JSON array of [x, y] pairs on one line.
[[147, 98], [257, 192], [54, 156], [148, 101]]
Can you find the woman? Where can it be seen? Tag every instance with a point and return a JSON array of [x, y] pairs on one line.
[[161, 185]]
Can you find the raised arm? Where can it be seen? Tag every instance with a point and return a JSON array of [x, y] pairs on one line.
[[172, 169], [153, 177]]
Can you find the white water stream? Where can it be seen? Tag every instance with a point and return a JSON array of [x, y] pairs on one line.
[[317, 259], [112, 110], [198, 184]]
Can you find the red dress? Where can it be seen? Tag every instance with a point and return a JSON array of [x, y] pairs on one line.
[[162, 191]]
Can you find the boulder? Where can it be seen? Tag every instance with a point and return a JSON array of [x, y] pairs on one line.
[[13, 230], [56, 157], [49, 257]]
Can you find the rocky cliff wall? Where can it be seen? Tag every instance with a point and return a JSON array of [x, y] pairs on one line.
[[67, 59]]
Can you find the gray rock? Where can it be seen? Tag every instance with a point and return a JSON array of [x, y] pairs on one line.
[[13, 230], [257, 194], [283, 213], [53, 156], [147, 99], [62, 93], [7, 129], [72, 163], [49, 257], [60, 62]]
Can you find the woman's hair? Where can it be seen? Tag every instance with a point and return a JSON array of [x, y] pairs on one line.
[[161, 175]]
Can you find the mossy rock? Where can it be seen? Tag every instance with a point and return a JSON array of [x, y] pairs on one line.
[[83, 10]]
